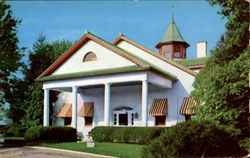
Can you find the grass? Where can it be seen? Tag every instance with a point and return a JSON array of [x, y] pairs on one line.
[[111, 149], [12, 138]]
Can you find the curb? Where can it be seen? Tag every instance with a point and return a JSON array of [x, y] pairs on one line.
[[71, 151]]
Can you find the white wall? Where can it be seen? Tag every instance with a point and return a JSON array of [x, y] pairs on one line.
[[105, 59], [95, 95]]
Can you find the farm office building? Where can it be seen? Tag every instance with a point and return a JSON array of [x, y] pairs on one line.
[[98, 83]]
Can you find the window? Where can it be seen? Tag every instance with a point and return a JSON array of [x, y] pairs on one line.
[[90, 56], [115, 119], [167, 51], [187, 117], [184, 52], [176, 54], [88, 121], [177, 51], [132, 118], [160, 120], [167, 55], [67, 121]]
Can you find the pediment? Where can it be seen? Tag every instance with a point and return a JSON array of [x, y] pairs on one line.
[[92, 56]]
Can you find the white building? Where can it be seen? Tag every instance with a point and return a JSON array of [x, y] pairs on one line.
[[98, 83]]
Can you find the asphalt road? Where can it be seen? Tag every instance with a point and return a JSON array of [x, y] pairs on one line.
[[27, 152]]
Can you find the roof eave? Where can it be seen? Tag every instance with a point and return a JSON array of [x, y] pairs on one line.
[[172, 42], [196, 66], [114, 73]]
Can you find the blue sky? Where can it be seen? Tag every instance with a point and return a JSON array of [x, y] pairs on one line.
[[143, 21]]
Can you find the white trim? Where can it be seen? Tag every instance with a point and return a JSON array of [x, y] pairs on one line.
[[102, 80], [74, 107], [145, 103], [121, 78], [46, 107], [107, 104]]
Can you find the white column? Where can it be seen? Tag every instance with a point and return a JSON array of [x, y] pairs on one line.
[[145, 103], [46, 108], [107, 104], [74, 107]]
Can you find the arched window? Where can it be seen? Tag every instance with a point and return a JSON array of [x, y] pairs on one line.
[[90, 56]]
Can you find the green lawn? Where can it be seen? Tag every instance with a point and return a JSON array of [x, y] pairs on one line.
[[111, 149]]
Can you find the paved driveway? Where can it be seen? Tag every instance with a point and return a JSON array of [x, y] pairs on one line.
[[27, 152]]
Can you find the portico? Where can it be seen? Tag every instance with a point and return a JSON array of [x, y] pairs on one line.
[[73, 85]]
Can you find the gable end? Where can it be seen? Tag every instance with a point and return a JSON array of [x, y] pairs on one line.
[[75, 47]]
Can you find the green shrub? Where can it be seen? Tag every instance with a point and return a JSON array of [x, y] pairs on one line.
[[138, 135], [14, 130], [51, 133], [33, 133], [122, 135], [103, 134], [193, 139]]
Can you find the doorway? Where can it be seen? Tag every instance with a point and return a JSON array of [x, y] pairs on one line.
[[123, 119]]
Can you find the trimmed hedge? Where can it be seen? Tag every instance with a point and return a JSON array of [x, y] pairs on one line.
[[137, 135], [51, 133], [194, 139]]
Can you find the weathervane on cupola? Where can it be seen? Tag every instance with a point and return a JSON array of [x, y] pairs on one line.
[[172, 45]]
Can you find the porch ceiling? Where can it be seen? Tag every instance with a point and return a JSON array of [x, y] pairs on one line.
[[159, 81]]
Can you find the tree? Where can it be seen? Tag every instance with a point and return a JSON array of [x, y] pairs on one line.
[[34, 112], [222, 87], [41, 57], [10, 55], [9, 50]]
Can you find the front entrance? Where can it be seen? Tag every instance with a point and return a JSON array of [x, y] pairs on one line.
[[123, 116], [123, 119]]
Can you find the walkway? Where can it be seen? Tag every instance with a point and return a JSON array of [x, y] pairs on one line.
[[28, 152]]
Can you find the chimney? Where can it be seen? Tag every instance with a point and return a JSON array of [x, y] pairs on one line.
[[202, 49]]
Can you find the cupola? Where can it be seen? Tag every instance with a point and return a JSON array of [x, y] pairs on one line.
[[172, 45]]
